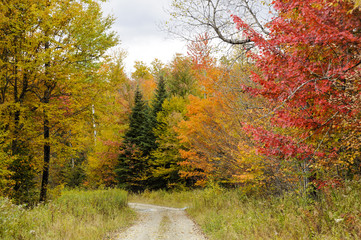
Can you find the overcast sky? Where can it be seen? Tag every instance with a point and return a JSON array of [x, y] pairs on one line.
[[137, 24]]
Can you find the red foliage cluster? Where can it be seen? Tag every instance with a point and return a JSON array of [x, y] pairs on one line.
[[306, 63]]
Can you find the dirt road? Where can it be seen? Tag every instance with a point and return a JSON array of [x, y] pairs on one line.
[[161, 223]]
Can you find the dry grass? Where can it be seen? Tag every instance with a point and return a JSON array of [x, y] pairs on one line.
[[229, 214], [74, 215]]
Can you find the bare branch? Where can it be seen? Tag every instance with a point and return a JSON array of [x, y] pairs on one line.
[[191, 18]]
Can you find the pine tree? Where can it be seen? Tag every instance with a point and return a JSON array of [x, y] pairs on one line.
[[164, 166], [159, 98], [140, 126], [138, 141], [130, 169]]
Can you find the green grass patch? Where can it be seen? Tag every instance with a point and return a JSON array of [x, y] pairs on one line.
[[230, 214], [74, 215]]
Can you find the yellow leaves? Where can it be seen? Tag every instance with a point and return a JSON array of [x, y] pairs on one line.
[[317, 6], [148, 86], [213, 132], [357, 3], [144, 78], [141, 71], [333, 3], [5, 173]]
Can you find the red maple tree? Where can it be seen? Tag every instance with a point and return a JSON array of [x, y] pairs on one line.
[[308, 64]]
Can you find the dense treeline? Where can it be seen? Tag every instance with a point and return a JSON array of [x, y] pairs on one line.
[[278, 112], [50, 55]]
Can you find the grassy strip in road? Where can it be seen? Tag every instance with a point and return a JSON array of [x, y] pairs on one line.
[[74, 215], [164, 225], [229, 214]]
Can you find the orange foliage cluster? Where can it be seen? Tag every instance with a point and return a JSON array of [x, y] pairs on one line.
[[212, 133]]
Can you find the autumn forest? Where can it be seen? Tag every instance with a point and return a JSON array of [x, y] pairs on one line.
[[265, 104]]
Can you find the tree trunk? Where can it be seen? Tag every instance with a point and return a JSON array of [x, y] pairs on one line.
[[45, 179], [46, 99]]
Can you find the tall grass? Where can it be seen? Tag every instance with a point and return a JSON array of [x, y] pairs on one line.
[[229, 214], [74, 215]]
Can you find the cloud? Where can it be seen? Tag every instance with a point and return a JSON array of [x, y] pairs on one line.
[[137, 24], [136, 18]]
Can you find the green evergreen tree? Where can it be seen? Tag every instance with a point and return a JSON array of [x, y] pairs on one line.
[[131, 168], [160, 96], [164, 164], [138, 143], [157, 106], [140, 126]]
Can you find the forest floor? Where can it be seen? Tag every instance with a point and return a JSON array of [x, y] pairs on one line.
[[161, 223]]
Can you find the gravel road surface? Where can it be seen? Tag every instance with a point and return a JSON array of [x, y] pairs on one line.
[[161, 223]]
